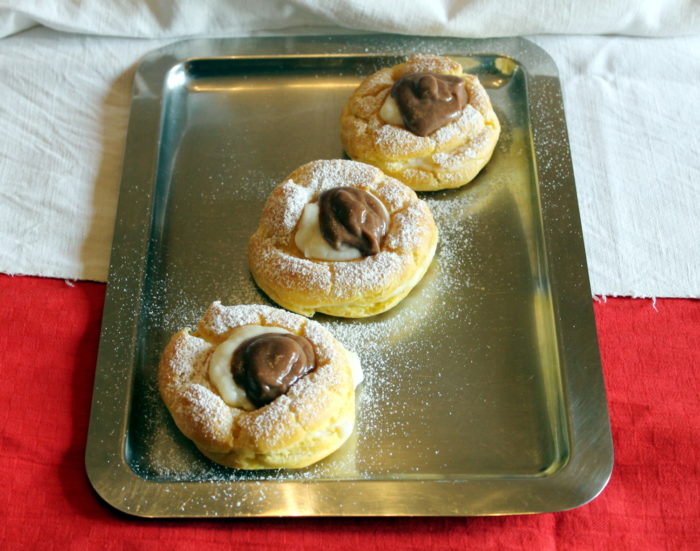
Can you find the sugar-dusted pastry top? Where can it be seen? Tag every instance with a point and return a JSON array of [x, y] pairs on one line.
[[306, 285], [318, 406], [449, 154]]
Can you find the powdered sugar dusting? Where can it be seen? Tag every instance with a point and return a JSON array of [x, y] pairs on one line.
[[320, 336], [277, 263], [396, 143], [429, 64], [469, 123], [315, 395], [450, 149], [387, 345], [456, 158], [393, 347], [372, 272], [267, 427], [281, 318], [199, 411], [208, 411], [368, 105], [390, 347], [379, 81], [324, 175], [285, 212], [189, 355], [407, 232], [395, 197], [286, 268], [219, 319]]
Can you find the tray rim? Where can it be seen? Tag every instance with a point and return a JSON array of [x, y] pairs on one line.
[[591, 454]]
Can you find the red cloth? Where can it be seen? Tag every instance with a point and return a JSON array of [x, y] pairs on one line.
[[49, 336]]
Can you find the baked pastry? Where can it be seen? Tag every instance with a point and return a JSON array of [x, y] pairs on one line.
[[423, 122], [256, 387], [341, 238]]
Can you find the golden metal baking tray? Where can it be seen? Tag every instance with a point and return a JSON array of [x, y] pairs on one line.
[[483, 391]]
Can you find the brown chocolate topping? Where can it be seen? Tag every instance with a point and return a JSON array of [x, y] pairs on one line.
[[350, 216], [428, 101], [266, 365]]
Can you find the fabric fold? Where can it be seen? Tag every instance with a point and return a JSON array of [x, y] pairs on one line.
[[459, 18]]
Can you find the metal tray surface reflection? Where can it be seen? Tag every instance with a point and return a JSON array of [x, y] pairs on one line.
[[483, 391]]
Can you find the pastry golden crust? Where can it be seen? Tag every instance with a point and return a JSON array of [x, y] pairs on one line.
[[352, 288], [449, 157], [296, 429]]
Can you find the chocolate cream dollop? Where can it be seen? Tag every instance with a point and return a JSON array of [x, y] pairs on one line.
[[428, 101], [350, 216], [267, 365]]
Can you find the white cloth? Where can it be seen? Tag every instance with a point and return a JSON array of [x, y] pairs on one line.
[[466, 18], [631, 107], [634, 126]]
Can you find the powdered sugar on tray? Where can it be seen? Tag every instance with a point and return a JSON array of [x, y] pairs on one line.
[[392, 347]]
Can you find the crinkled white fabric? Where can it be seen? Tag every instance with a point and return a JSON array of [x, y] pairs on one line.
[[466, 18], [631, 106], [634, 127]]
